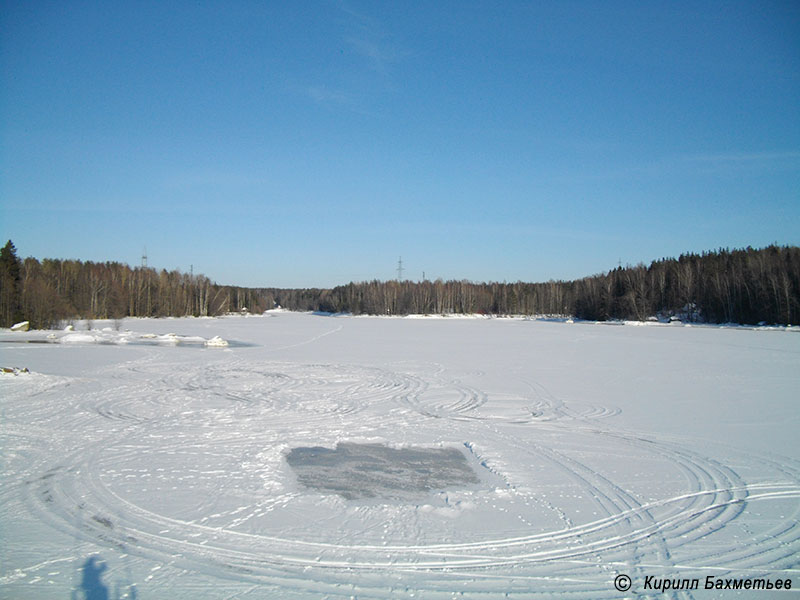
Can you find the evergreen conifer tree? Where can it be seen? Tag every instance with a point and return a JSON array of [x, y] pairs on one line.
[[10, 286]]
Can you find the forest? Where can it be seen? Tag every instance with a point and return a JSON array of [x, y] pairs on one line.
[[747, 286], [726, 286], [51, 291]]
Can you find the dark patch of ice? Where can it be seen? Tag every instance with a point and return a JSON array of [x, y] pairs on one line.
[[356, 471]]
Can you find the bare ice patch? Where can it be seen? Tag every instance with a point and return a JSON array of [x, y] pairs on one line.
[[358, 471]]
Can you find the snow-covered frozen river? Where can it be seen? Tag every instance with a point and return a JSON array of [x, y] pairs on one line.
[[432, 458]]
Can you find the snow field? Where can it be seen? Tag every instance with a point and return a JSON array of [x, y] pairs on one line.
[[600, 450]]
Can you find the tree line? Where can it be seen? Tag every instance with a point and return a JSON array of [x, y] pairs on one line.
[[54, 290], [740, 286], [725, 286]]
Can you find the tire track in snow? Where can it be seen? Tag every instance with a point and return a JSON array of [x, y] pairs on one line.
[[709, 510], [86, 494]]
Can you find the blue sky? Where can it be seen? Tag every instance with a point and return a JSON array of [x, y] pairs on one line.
[[303, 144]]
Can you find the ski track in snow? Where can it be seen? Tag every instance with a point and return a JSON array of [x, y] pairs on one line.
[[181, 464]]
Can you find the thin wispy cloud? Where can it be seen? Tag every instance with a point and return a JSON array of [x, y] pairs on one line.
[[323, 94], [366, 52], [746, 157], [369, 39], [659, 166], [212, 178], [745, 162], [379, 55]]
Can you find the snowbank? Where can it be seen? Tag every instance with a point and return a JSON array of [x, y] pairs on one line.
[[108, 336]]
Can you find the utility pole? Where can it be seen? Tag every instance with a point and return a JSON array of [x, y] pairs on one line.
[[400, 269]]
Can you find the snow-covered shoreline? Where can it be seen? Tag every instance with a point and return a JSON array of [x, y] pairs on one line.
[[106, 330]]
